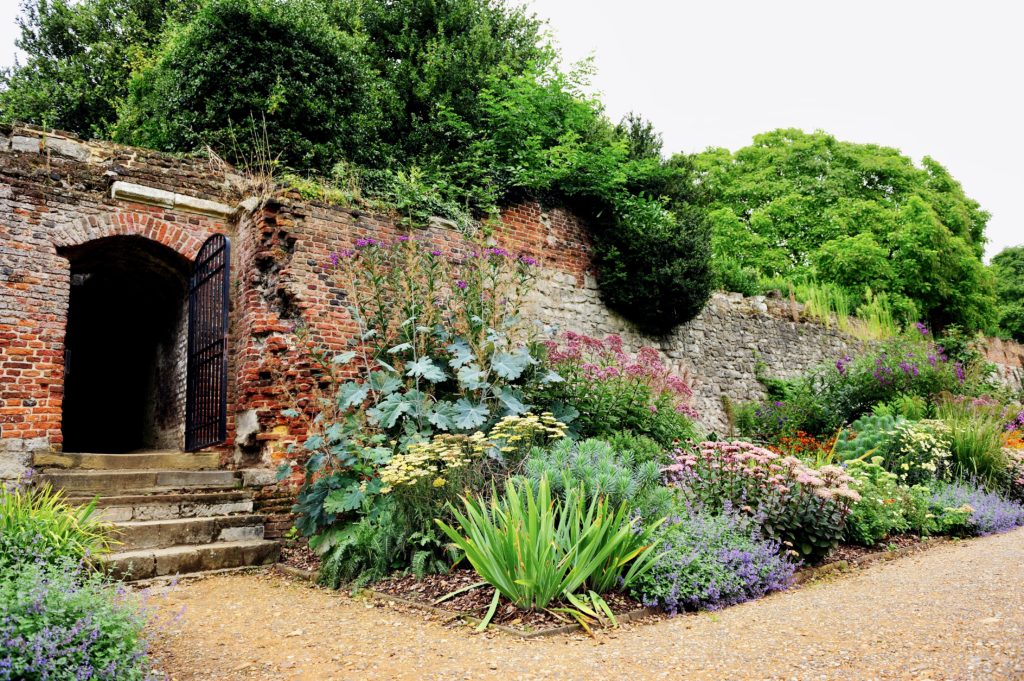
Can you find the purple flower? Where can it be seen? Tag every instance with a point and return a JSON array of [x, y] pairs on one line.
[[527, 260], [959, 371], [461, 284], [436, 253], [921, 328], [334, 259], [841, 364], [403, 238]]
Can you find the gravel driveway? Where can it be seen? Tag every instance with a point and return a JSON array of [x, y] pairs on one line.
[[955, 611]]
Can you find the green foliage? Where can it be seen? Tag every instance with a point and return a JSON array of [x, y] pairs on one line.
[[80, 56], [882, 508], [239, 63], [390, 537], [976, 437], [535, 550], [37, 525], [856, 215], [621, 475], [833, 395], [62, 621], [866, 437], [654, 264], [1008, 270], [603, 390]]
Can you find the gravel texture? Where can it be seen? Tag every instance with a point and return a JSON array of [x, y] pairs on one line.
[[955, 611]]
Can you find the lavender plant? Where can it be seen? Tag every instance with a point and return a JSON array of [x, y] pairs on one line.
[[63, 621], [986, 512], [711, 560]]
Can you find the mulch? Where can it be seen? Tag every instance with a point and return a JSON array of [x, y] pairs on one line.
[[476, 601], [853, 553], [298, 555]]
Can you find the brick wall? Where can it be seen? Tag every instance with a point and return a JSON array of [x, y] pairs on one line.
[[54, 195]]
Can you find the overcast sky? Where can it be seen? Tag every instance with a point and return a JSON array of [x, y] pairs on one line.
[[936, 78]]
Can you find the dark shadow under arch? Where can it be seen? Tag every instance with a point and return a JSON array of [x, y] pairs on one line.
[[124, 349]]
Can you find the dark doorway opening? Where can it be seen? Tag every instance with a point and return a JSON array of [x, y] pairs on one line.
[[125, 353]]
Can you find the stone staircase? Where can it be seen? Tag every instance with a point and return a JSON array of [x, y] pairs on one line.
[[175, 512]]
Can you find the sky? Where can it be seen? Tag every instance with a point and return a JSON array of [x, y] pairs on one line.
[[933, 77]]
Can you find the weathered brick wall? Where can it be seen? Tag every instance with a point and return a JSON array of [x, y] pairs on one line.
[[54, 194]]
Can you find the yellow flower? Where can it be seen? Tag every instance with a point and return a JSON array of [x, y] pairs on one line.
[[439, 482]]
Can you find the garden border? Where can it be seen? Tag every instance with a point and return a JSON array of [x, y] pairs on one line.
[[802, 577]]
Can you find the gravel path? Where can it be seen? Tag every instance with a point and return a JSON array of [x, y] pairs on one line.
[[955, 611]]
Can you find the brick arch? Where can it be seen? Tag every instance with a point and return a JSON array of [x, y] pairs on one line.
[[186, 241]]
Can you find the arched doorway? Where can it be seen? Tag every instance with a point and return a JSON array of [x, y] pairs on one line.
[[125, 347]]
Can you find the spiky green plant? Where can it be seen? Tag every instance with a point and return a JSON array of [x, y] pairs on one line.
[[37, 524], [535, 550]]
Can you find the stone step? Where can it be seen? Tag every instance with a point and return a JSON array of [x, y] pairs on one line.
[[168, 506], [83, 482], [155, 534], [156, 460], [179, 560]]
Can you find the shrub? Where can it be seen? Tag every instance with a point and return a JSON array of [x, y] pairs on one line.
[[605, 390], [59, 620], [867, 436], [388, 537], [709, 561], [987, 512], [834, 395], [881, 510], [36, 525], [600, 469], [919, 451], [805, 508], [243, 62], [654, 264], [535, 550]]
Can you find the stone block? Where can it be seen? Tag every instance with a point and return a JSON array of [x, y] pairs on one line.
[[22, 143], [67, 148]]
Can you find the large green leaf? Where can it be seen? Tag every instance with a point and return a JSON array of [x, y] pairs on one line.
[[470, 415], [384, 383], [443, 415], [389, 410], [511, 365], [425, 368], [352, 394], [347, 498], [512, 400], [461, 353], [471, 377]]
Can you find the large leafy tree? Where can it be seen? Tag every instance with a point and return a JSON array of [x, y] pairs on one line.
[[281, 68], [863, 216], [79, 59], [1008, 268]]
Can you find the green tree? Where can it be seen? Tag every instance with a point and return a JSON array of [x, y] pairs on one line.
[[243, 63], [79, 58], [806, 205], [1008, 269]]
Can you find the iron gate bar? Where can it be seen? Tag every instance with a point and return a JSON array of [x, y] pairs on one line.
[[206, 394]]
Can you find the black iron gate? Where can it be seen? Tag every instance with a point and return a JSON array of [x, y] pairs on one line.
[[206, 398]]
